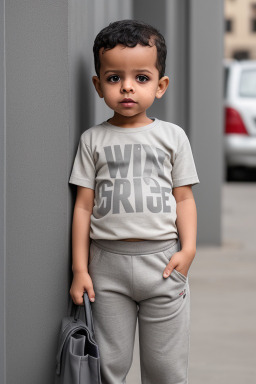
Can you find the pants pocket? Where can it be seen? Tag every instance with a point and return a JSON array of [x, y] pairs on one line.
[[168, 253], [180, 275]]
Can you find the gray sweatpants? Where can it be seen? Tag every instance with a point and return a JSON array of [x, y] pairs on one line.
[[128, 283]]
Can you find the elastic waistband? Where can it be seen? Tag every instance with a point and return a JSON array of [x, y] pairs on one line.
[[135, 247]]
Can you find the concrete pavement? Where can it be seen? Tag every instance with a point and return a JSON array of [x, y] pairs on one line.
[[223, 305]]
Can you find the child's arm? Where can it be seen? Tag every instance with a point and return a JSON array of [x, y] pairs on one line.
[[81, 245], [187, 229]]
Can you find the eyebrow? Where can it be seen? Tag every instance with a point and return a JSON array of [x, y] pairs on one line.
[[120, 71]]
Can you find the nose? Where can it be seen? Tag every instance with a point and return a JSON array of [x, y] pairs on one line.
[[127, 86]]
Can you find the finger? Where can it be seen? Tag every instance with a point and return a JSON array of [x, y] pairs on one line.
[[168, 270], [91, 294], [77, 300]]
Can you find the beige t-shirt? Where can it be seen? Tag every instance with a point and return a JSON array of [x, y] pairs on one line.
[[133, 172]]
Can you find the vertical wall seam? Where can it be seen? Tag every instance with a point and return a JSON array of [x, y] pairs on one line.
[[4, 200], [68, 159], [68, 132]]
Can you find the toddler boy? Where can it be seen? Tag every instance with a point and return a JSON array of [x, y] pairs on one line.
[[135, 219]]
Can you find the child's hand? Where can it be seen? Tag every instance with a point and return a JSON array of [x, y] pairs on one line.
[[180, 261], [81, 282]]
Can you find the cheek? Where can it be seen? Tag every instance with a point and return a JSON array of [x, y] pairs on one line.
[[109, 91], [150, 93]]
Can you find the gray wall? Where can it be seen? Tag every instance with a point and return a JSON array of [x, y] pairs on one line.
[[37, 167], [205, 95], [46, 101]]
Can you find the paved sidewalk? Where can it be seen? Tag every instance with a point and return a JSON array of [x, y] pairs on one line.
[[223, 304]]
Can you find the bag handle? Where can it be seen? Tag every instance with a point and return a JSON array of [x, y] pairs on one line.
[[87, 311]]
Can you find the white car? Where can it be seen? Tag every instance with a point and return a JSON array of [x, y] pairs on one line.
[[240, 113]]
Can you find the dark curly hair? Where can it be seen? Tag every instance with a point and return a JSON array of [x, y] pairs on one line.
[[130, 33]]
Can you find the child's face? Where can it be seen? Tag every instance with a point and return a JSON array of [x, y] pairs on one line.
[[129, 73]]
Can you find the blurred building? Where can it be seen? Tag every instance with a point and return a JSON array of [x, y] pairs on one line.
[[240, 29]]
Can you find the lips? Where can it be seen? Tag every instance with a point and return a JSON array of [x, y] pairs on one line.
[[128, 101]]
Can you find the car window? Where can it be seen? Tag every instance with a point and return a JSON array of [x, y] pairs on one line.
[[247, 85], [226, 74]]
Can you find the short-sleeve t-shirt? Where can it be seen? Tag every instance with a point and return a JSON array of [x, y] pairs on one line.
[[133, 172]]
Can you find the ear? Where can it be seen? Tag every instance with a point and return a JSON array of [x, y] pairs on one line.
[[162, 86], [96, 83]]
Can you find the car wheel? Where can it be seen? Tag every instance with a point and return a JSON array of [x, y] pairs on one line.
[[237, 173]]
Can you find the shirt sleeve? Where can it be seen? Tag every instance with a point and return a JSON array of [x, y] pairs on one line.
[[83, 172], [184, 169]]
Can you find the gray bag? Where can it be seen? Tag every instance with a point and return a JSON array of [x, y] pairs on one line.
[[78, 358]]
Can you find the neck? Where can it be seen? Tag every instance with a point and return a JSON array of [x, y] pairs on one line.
[[130, 122]]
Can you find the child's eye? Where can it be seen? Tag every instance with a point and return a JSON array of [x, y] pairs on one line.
[[142, 78], [113, 79]]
